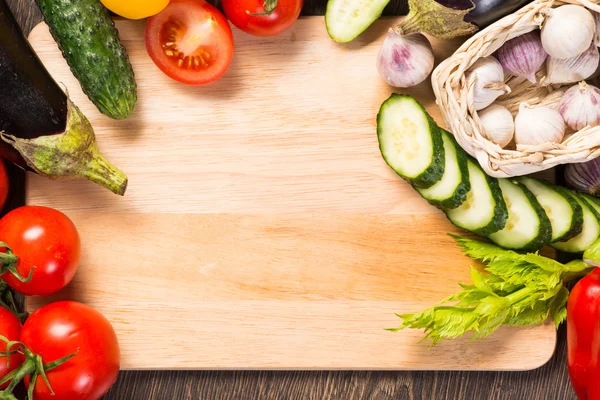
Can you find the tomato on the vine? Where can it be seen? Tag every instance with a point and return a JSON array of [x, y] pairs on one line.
[[262, 17], [43, 250], [10, 328], [190, 41], [69, 328]]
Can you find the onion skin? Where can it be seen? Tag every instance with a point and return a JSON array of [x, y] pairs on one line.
[[584, 177]]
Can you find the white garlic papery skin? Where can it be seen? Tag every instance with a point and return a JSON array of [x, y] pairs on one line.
[[571, 70], [489, 81], [580, 106], [597, 35], [523, 56], [568, 31], [405, 60], [538, 125], [498, 124]]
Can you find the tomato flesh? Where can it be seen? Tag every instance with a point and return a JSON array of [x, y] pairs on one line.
[[10, 328], [68, 327], [190, 41], [43, 238]]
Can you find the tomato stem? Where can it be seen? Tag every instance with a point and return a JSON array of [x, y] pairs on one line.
[[9, 261], [33, 366], [7, 301], [269, 6]]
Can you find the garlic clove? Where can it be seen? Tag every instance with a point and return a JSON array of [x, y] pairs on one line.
[[584, 177], [571, 70], [488, 82], [568, 31], [538, 125], [498, 124], [580, 106], [523, 56], [405, 60]]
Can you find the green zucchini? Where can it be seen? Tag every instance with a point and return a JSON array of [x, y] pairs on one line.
[[410, 141], [589, 233], [564, 212], [528, 227], [346, 19], [451, 191], [90, 43], [484, 211]]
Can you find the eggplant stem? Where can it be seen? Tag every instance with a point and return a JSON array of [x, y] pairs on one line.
[[427, 16]]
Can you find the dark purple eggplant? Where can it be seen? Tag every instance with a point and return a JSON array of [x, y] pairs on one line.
[[446, 19], [40, 128]]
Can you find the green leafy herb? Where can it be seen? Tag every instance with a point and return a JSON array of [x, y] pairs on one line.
[[517, 289]]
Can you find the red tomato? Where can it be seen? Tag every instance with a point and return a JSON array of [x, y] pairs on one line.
[[3, 184], [252, 16], [10, 328], [64, 328], [190, 41], [43, 238]]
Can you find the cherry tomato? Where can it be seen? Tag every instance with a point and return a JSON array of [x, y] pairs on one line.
[[10, 328], [3, 184], [43, 238], [190, 41], [64, 328], [135, 9], [253, 16]]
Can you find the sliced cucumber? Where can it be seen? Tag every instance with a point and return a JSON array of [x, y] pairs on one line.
[[409, 140], [592, 201], [589, 233], [346, 19], [451, 191], [484, 211], [562, 209], [528, 226]]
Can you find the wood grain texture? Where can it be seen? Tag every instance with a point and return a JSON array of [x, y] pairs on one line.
[[261, 227], [546, 383]]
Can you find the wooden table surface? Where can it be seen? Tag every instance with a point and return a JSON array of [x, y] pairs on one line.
[[546, 383]]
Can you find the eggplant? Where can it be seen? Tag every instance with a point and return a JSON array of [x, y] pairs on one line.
[[41, 129], [447, 19]]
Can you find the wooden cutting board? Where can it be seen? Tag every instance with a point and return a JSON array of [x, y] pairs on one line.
[[261, 227]]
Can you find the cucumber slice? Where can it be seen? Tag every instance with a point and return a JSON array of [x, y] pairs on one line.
[[528, 226], [451, 191], [346, 19], [564, 212], [484, 211], [589, 233], [592, 201], [409, 140]]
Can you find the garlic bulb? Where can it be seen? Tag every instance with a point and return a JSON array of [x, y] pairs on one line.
[[538, 125], [571, 70], [405, 60], [489, 82], [523, 56], [580, 106], [498, 124], [568, 31], [597, 34]]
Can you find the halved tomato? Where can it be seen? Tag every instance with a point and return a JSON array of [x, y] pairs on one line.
[[190, 41]]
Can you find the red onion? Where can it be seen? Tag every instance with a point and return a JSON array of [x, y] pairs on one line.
[[523, 56], [584, 177]]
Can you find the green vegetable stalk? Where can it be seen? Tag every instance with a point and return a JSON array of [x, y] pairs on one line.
[[517, 289]]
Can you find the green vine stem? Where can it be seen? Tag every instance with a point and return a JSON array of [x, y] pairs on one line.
[[8, 263], [33, 365]]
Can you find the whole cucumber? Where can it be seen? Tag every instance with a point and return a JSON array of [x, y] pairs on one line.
[[90, 43]]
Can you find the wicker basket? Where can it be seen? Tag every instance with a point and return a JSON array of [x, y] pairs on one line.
[[451, 88]]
